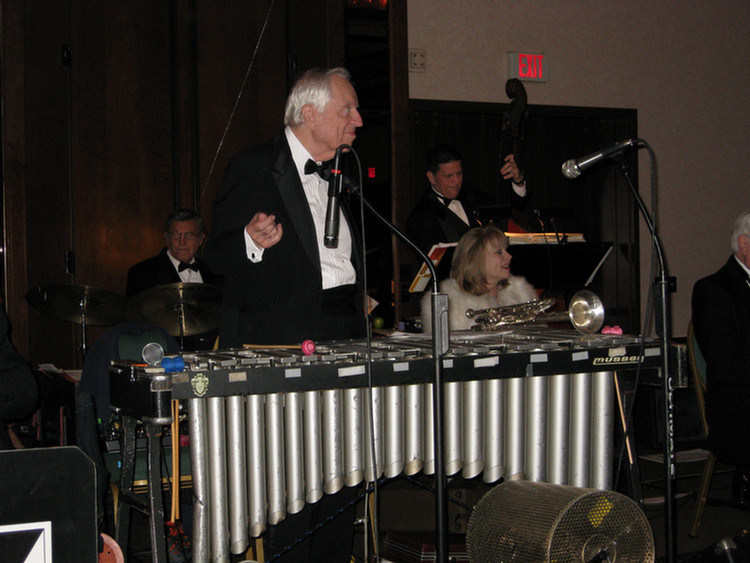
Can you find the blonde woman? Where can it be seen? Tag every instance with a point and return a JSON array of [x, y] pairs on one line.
[[480, 279]]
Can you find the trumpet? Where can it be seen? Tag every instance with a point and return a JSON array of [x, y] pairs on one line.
[[585, 312]]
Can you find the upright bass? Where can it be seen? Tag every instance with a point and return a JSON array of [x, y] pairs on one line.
[[511, 142]]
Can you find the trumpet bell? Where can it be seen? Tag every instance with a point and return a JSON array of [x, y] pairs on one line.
[[586, 312]]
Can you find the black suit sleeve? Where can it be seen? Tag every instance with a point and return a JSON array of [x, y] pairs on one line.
[[234, 207], [718, 329], [721, 319], [152, 272]]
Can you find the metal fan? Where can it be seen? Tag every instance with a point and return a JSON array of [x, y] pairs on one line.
[[532, 522]]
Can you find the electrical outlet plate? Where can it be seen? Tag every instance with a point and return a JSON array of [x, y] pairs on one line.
[[417, 60]]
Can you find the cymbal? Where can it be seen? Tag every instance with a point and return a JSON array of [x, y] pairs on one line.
[[199, 304], [78, 304]]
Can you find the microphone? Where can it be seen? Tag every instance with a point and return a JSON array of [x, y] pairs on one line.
[[152, 353], [331, 237], [573, 168]]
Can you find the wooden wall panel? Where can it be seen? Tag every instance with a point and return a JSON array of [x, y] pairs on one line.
[[400, 134], [48, 180], [123, 178], [243, 84], [14, 174]]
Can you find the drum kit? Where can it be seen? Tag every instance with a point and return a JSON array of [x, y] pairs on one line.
[[181, 309]]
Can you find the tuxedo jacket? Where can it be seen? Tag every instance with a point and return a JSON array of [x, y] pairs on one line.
[[159, 270], [279, 299], [721, 320], [432, 222]]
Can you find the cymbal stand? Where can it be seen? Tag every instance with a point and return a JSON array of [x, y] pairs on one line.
[[182, 323], [82, 304]]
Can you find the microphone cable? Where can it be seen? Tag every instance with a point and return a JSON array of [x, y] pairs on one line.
[[550, 271]]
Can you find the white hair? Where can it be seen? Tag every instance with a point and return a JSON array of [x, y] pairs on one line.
[[741, 227], [314, 88]]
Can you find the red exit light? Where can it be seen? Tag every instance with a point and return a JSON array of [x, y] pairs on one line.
[[371, 172], [531, 67], [373, 4]]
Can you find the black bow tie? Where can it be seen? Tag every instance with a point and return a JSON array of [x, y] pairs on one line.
[[445, 200], [323, 169], [185, 266]]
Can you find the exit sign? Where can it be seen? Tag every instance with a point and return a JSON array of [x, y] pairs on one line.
[[532, 67]]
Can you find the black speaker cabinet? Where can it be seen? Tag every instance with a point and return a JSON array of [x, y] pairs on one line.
[[47, 506]]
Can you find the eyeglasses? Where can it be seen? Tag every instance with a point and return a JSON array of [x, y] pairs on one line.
[[174, 235]]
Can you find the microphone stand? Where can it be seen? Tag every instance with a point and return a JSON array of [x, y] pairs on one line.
[[663, 329], [440, 345]]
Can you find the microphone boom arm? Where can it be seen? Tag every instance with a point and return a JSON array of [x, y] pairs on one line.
[[440, 345], [572, 169]]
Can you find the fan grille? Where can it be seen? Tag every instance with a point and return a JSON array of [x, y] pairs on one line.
[[524, 521]]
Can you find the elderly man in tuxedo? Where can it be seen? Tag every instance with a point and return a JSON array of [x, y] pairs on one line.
[[184, 232], [282, 285], [721, 320]]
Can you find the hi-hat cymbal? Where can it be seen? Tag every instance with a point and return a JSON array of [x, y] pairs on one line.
[[78, 304], [197, 304]]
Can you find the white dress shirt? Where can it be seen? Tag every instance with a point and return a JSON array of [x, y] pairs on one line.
[[454, 205], [335, 263], [187, 275]]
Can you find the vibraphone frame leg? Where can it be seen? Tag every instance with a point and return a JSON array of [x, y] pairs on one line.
[[128, 499], [127, 472], [156, 505]]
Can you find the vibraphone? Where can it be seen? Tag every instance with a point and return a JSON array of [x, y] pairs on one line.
[[272, 429]]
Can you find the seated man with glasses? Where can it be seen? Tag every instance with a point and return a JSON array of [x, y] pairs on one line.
[[184, 232]]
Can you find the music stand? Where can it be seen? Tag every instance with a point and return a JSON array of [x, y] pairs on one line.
[[559, 266]]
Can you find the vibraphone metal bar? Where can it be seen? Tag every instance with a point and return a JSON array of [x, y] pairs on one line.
[[272, 429]]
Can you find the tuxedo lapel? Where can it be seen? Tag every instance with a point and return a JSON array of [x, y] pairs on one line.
[[452, 225], [441, 210], [293, 196], [167, 272], [739, 279]]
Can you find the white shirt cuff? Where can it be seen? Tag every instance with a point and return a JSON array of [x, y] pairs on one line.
[[519, 189], [254, 253]]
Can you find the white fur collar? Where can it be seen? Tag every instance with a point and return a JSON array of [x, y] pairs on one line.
[[517, 291]]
